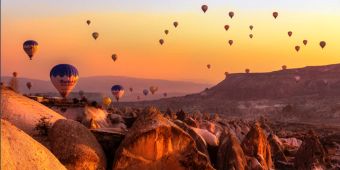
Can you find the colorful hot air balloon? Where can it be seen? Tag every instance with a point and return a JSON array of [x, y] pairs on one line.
[[305, 42], [29, 85], [88, 22], [166, 32], [284, 67], [64, 77], [175, 24], [322, 44], [95, 35], [114, 57], [275, 14], [106, 101], [153, 89], [131, 89], [297, 48], [145, 92], [247, 70], [226, 27], [230, 42], [251, 27], [290, 33], [231, 14], [208, 66], [117, 91], [30, 47], [204, 8], [161, 41], [251, 35]]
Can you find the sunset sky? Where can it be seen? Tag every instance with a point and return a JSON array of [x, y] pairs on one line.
[[131, 29]]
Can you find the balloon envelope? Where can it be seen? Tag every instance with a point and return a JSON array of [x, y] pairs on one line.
[[305, 42], [204, 8], [275, 14], [88, 22], [29, 85], [231, 14], [297, 48], [117, 91], [64, 77], [145, 92], [166, 32], [95, 35], [290, 33], [161, 41], [114, 57], [107, 101], [30, 47], [226, 27], [175, 24], [251, 35], [251, 27], [230, 42], [322, 44], [153, 89]]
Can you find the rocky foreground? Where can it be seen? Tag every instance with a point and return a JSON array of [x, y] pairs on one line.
[[151, 139]]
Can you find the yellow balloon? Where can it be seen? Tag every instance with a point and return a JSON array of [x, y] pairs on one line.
[[107, 101]]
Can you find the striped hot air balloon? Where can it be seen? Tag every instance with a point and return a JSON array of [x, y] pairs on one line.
[[64, 77]]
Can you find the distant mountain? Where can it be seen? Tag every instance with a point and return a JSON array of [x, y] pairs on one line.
[[304, 92], [102, 85]]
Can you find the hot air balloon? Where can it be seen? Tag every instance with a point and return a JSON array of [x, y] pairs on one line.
[[131, 89], [247, 70], [145, 92], [275, 14], [322, 44], [208, 66], [230, 42], [204, 8], [81, 93], [88, 22], [30, 47], [153, 89], [117, 91], [175, 24], [297, 78], [114, 57], [251, 35], [95, 35], [297, 48], [290, 33], [251, 27], [15, 74], [284, 67], [226, 27], [106, 101], [165, 94], [231, 14], [166, 32], [29, 85], [226, 74], [161, 41], [64, 77], [305, 42]]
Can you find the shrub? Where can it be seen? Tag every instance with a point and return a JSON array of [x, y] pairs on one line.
[[43, 126]]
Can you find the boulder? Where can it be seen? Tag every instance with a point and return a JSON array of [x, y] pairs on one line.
[[200, 142], [311, 154], [256, 145], [20, 151], [277, 149], [23, 112], [154, 142], [75, 146], [230, 154]]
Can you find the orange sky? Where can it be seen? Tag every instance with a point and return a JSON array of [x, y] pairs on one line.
[[199, 40]]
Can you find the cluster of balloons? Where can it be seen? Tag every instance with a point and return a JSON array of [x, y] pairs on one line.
[[161, 41]]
